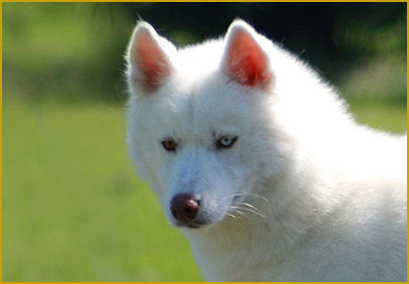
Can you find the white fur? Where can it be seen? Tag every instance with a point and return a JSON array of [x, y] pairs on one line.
[[321, 198]]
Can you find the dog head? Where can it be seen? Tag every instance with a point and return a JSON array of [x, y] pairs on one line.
[[199, 121]]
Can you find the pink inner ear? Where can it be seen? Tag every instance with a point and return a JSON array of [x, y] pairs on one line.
[[246, 63], [151, 62]]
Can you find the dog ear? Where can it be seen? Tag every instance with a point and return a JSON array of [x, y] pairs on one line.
[[148, 59], [244, 61]]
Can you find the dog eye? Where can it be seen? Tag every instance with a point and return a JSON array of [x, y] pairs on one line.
[[169, 145], [226, 142]]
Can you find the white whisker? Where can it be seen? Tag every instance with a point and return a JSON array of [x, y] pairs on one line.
[[237, 210], [251, 206]]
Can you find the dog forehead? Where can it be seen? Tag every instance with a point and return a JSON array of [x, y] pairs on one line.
[[195, 59], [199, 98]]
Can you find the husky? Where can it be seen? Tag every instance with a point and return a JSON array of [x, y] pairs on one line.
[[257, 160]]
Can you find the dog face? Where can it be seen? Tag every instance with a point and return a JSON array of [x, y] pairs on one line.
[[199, 122]]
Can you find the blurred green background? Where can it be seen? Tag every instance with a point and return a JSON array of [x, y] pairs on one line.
[[73, 209]]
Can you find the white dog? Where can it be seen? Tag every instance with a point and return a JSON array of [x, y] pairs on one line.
[[259, 163]]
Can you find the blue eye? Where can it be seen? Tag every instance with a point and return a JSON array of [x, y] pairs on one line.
[[226, 142]]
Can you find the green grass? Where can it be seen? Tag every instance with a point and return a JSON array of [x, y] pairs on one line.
[[73, 210], [383, 116]]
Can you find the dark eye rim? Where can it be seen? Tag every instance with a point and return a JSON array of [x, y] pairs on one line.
[[169, 144], [220, 146]]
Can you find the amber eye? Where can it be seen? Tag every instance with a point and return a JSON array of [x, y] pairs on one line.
[[226, 142], [169, 145]]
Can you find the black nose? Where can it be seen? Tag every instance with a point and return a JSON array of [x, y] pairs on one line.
[[184, 207]]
